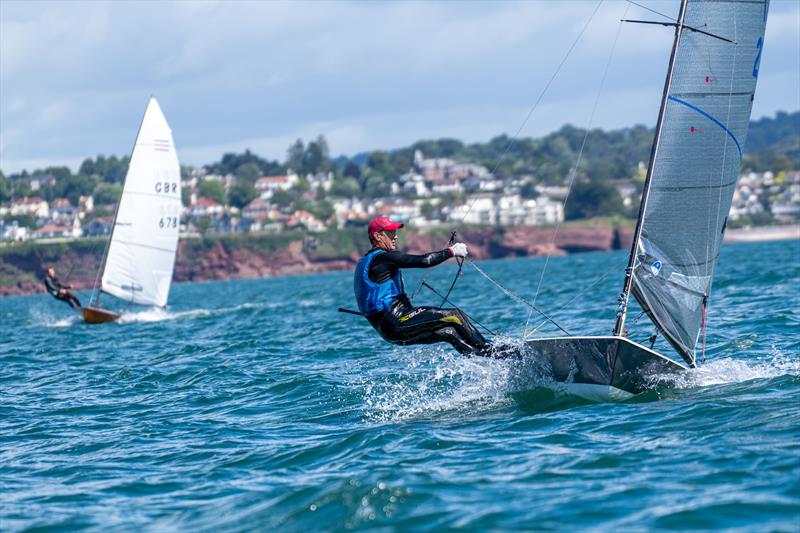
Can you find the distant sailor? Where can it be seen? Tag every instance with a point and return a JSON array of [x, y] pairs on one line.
[[381, 297], [59, 291]]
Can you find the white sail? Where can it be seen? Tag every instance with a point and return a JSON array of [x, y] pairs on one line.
[[141, 255]]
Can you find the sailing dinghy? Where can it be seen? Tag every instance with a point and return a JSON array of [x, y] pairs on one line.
[[692, 172], [140, 256]]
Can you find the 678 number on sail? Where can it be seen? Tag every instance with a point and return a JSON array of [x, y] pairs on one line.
[[168, 222]]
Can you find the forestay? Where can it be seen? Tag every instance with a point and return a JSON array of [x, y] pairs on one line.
[[707, 112], [141, 255]]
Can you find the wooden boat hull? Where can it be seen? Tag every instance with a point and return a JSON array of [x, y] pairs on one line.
[[96, 315], [602, 368]]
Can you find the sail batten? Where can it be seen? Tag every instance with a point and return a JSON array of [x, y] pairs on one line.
[[695, 166], [141, 254]]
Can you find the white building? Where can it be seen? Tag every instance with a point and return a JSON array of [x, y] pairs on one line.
[[321, 179], [413, 183], [14, 232], [30, 206], [266, 186], [478, 209], [507, 210]]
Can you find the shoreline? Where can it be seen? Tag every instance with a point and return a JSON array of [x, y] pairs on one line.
[[218, 259], [763, 234]]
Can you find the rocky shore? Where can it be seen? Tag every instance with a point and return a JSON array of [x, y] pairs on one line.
[[22, 267]]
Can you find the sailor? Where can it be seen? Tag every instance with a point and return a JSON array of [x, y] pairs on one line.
[[381, 298], [59, 291]]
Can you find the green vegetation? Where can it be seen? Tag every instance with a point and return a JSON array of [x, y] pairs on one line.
[[241, 194], [107, 193], [592, 199], [212, 189], [232, 164]]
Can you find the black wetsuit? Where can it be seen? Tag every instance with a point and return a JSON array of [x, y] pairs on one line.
[[57, 291], [405, 324]]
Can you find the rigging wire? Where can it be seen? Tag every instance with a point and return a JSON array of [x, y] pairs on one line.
[[651, 10], [539, 99], [95, 297], [583, 291], [573, 173], [513, 139], [514, 296]]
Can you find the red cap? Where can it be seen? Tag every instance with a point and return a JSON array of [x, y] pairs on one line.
[[382, 223]]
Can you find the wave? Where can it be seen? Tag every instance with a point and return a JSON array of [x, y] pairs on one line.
[[437, 381], [728, 370], [50, 321], [156, 314]]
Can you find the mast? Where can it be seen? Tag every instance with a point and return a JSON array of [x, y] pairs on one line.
[[96, 293], [624, 297]]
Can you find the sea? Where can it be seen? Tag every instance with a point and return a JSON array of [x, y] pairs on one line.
[[254, 405]]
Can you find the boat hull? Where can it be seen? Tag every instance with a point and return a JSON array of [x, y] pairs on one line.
[[601, 368], [96, 315]]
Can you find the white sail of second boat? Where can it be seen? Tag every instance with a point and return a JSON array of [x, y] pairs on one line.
[[141, 255]]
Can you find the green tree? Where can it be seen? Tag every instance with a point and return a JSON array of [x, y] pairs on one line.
[[352, 170], [24, 220], [528, 190], [295, 156], [590, 199], [231, 162], [76, 186], [248, 172], [241, 194], [107, 193], [379, 162], [59, 173], [5, 188], [110, 170], [346, 187], [212, 189], [186, 195], [284, 198], [375, 186], [316, 157], [426, 209], [302, 185], [323, 210], [203, 224], [22, 188]]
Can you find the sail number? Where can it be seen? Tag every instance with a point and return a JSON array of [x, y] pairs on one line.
[[168, 222], [166, 187]]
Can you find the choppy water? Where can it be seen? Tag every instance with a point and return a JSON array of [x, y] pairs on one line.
[[254, 405]]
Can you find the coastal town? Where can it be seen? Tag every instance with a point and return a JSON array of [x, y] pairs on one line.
[[433, 191]]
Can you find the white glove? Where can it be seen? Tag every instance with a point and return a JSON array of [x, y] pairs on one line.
[[459, 249]]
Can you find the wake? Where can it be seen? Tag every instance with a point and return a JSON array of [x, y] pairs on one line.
[[728, 370], [152, 314], [155, 314], [436, 381]]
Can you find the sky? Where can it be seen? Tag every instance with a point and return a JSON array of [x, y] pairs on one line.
[[75, 77]]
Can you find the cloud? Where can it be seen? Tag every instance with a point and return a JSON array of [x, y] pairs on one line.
[[75, 77]]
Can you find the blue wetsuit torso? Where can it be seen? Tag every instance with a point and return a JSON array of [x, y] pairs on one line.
[[375, 296]]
